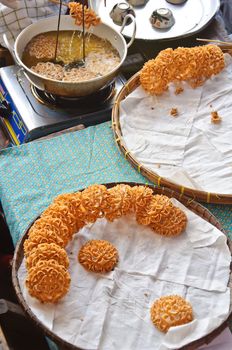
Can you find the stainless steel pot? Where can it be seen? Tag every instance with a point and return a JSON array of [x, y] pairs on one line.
[[63, 88]]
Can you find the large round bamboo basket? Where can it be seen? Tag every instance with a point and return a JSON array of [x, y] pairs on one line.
[[201, 196], [190, 204]]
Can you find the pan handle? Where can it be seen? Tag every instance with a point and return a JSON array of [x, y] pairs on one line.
[[10, 48], [129, 16]]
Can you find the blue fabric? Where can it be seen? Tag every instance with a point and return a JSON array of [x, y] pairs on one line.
[[33, 174]]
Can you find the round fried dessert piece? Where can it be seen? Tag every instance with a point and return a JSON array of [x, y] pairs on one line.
[[171, 311], [56, 225], [142, 198], [39, 236], [93, 200], [48, 281], [47, 251], [90, 17], [63, 212], [74, 202], [98, 256], [156, 211], [119, 202], [172, 224]]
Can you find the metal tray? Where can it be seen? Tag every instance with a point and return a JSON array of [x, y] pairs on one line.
[[190, 17]]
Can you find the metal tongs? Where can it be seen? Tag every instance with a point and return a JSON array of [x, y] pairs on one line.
[[77, 63]]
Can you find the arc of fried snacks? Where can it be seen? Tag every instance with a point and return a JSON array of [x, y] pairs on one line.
[[69, 212], [194, 65]]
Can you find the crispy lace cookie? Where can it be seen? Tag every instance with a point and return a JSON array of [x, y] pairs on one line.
[[74, 203], [90, 17], [47, 251], [156, 210], [48, 281], [63, 212], [119, 202], [142, 197], [39, 236], [171, 225], [55, 225], [171, 311], [98, 256], [93, 200], [194, 65]]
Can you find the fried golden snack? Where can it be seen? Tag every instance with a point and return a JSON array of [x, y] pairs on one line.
[[120, 201], [90, 17], [47, 251], [93, 200], [171, 225], [39, 236], [170, 311], [142, 196], [74, 202], [48, 281], [158, 208], [63, 212], [55, 225], [98, 256], [194, 65], [161, 207]]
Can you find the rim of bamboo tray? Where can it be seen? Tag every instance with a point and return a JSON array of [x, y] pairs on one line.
[[202, 196], [189, 203]]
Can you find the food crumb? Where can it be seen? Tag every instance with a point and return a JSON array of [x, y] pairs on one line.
[[179, 90], [146, 295], [174, 112], [215, 118]]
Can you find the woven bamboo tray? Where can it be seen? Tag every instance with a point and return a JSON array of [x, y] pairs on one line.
[[190, 204], [201, 196]]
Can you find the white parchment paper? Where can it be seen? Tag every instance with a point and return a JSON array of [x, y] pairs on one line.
[[112, 311], [187, 149]]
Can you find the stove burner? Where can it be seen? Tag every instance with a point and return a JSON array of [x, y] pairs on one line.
[[97, 98]]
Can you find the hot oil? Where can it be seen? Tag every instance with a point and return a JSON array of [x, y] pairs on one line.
[[69, 47]]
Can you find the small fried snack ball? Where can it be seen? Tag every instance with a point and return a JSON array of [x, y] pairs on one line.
[[47, 251], [48, 281], [171, 311], [98, 256]]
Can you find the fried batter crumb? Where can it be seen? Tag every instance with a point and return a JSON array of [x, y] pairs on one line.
[[178, 90], [174, 112], [215, 118]]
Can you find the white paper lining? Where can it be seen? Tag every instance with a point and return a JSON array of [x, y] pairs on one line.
[[111, 311], [187, 149]]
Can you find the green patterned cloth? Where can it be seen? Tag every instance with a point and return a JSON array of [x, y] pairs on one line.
[[33, 174]]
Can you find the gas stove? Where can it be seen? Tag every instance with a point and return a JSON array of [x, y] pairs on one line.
[[27, 113]]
